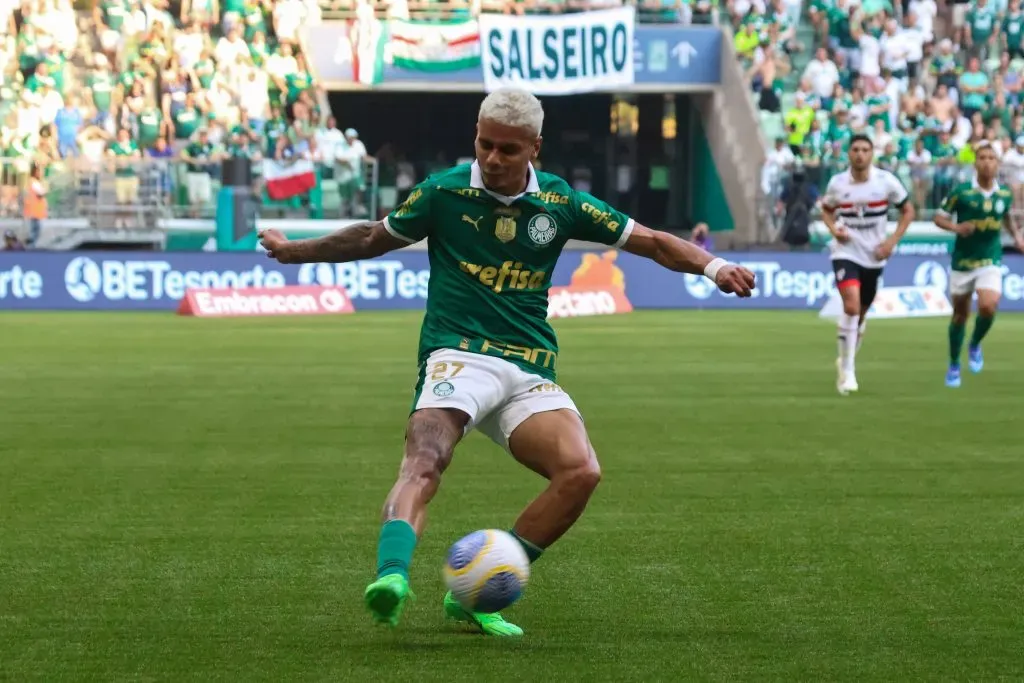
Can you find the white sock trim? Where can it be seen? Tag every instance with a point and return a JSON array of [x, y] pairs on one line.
[[847, 333]]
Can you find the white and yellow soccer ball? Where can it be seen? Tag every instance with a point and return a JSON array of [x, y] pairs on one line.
[[487, 570]]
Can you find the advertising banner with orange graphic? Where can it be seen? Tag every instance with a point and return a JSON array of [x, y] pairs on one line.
[[596, 287]]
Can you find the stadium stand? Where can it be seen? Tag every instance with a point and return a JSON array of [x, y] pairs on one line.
[[925, 85], [127, 106]]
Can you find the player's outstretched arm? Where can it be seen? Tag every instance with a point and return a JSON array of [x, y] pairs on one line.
[[1011, 227], [946, 222], [359, 241], [669, 251]]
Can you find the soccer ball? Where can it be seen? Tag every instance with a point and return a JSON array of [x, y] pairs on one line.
[[487, 570]]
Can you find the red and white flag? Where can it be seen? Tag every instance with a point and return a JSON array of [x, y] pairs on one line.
[[288, 179]]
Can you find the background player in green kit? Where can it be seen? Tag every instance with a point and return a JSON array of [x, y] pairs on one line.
[[487, 355], [976, 211]]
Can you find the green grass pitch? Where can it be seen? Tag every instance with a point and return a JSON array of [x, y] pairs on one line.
[[198, 500]]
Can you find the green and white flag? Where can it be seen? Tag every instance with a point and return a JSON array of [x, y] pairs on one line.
[[434, 46]]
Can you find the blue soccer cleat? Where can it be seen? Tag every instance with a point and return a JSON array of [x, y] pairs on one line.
[[976, 361], [953, 376]]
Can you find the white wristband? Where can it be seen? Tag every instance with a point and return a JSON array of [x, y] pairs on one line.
[[711, 270]]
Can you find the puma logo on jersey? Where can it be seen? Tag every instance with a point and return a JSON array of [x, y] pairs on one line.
[[474, 223]]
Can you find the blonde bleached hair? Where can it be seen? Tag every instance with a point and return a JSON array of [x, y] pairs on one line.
[[513, 107]]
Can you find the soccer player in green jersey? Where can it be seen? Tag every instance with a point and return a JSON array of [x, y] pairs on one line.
[[976, 211], [487, 355]]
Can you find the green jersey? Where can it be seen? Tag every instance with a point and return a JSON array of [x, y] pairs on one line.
[[55, 65], [35, 82], [1013, 30], [986, 210], [982, 22], [201, 153], [491, 259], [124, 152], [205, 71], [878, 100], [114, 13], [297, 83], [254, 20], [101, 84], [272, 131], [150, 122], [841, 133], [186, 122]]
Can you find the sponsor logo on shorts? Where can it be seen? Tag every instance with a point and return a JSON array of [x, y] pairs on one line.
[[443, 389], [542, 229]]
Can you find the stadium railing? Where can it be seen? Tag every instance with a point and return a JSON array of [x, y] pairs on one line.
[[927, 184], [138, 193]]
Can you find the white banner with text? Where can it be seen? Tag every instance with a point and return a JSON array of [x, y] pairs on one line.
[[561, 54]]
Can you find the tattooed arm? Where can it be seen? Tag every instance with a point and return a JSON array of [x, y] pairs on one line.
[[359, 241]]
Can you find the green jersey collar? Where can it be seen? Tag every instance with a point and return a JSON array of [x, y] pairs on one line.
[[476, 181]]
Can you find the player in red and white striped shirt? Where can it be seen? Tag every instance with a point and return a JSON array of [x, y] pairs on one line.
[[855, 209]]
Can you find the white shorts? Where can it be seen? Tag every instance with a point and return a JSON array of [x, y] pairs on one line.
[[497, 395], [963, 282]]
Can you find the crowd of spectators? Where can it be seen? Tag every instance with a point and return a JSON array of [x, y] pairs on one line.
[[160, 92], [156, 92], [926, 82]]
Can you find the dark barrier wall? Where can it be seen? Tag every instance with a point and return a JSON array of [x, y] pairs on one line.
[[645, 154], [132, 281]]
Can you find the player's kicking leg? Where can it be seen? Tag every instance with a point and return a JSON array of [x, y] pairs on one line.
[[430, 439], [848, 326], [552, 442]]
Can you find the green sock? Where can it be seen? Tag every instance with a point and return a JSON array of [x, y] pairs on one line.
[[956, 342], [394, 550], [981, 328], [533, 552]]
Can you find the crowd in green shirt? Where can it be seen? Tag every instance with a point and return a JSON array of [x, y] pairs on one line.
[[909, 119]]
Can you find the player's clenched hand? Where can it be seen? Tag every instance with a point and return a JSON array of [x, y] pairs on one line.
[[274, 242], [841, 234], [884, 250], [964, 229], [733, 279]]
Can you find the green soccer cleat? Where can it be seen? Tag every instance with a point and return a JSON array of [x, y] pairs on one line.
[[490, 624], [386, 597]]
